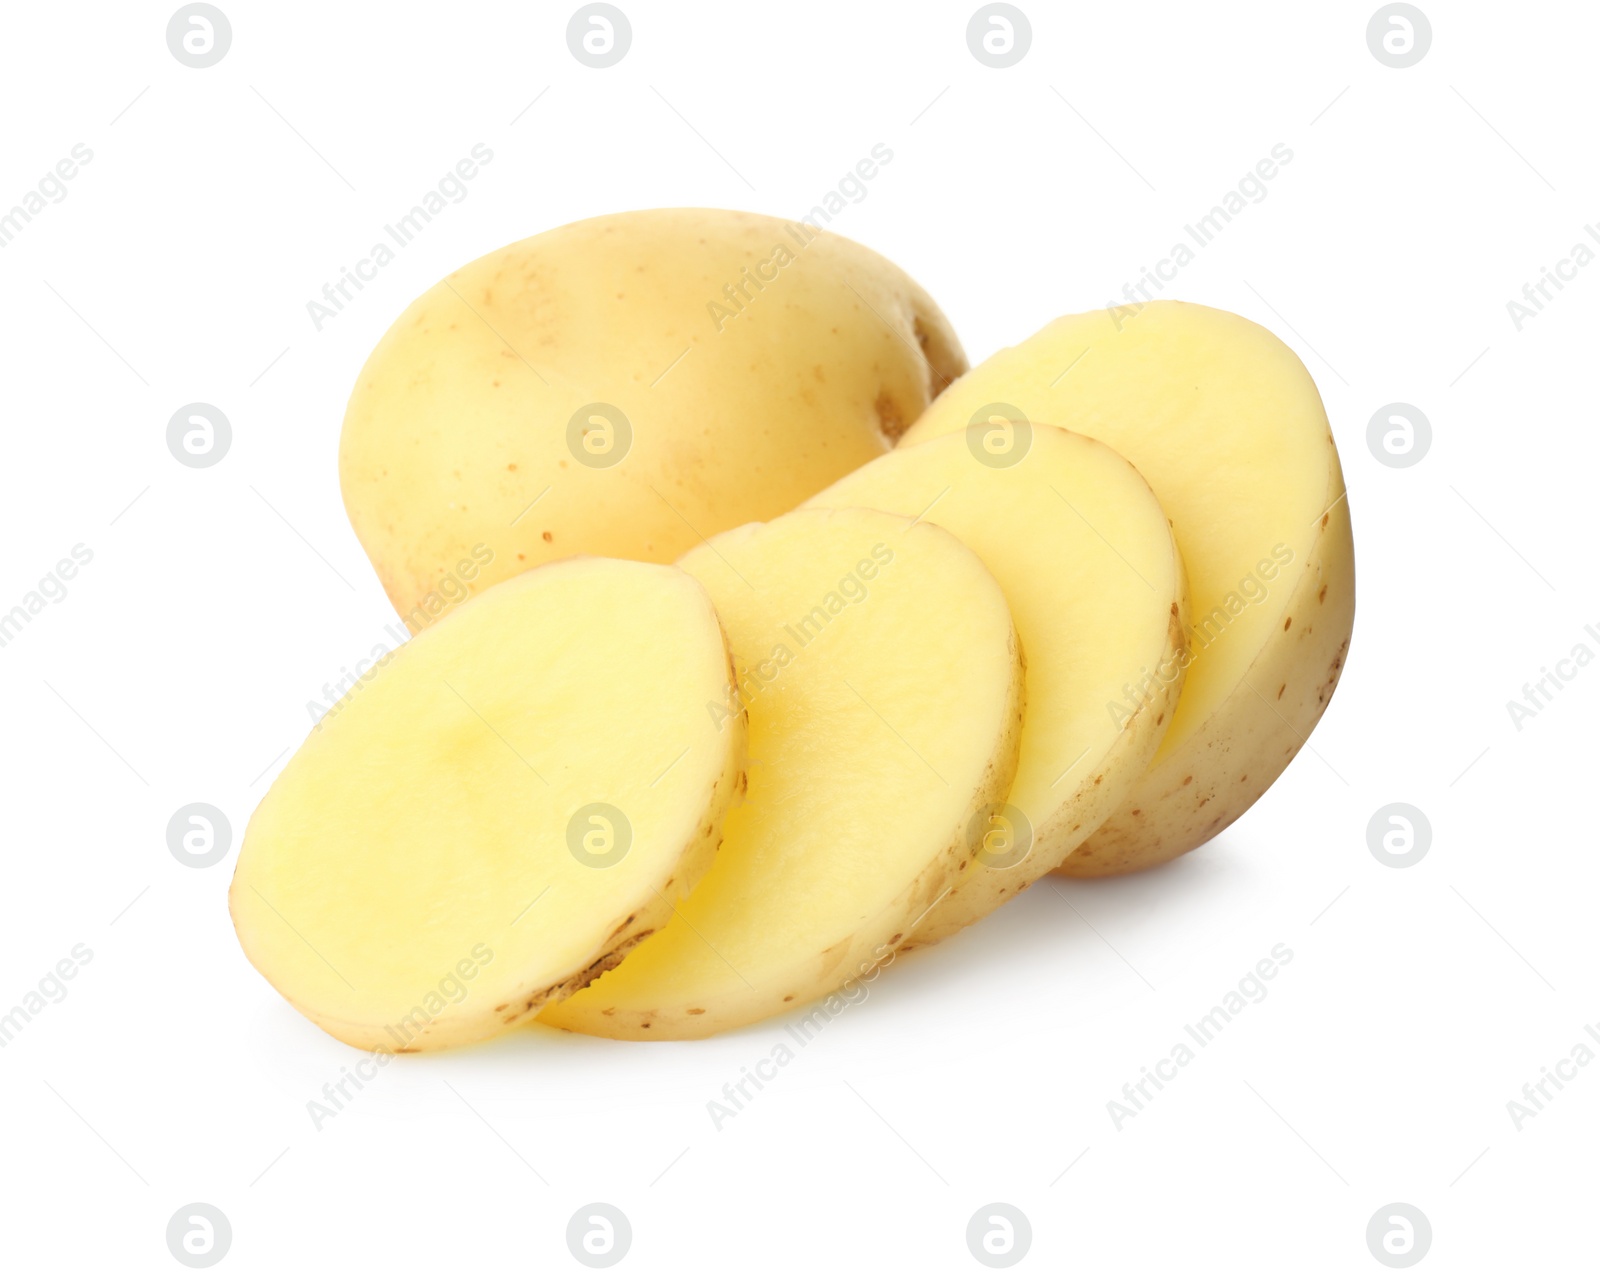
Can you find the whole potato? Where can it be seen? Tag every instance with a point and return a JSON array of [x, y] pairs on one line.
[[627, 386]]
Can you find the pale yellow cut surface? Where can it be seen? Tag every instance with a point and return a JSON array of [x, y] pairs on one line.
[[429, 867], [1083, 552], [623, 386], [880, 673], [1227, 426]]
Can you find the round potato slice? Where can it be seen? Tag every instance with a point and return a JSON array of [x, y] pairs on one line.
[[880, 672], [623, 386], [1085, 556], [516, 798], [1225, 424]]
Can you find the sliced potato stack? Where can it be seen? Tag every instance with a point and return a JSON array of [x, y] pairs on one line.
[[1225, 424], [1085, 557], [880, 672], [518, 797]]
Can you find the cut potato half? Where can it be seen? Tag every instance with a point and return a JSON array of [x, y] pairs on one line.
[[517, 797], [1225, 424], [1083, 552], [881, 675]]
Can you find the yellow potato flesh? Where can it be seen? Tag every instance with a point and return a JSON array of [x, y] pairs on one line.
[[410, 880], [879, 669], [474, 448], [1083, 552], [1227, 426]]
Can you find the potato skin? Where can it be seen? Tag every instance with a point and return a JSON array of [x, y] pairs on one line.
[[1092, 805], [465, 454], [450, 1031], [1290, 683], [610, 929], [844, 967]]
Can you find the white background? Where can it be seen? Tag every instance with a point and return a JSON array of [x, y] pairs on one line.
[[177, 668]]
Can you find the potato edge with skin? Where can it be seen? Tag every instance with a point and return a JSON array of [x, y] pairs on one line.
[[1239, 450], [1290, 683], [1128, 622], [617, 925], [875, 938]]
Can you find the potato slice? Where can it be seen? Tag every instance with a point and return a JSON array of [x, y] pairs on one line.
[[1227, 427], [493, 819], [1084, 554], [880, 672], [623, 386]]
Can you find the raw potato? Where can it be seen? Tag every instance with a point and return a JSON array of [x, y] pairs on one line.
[[1225, 424], [431, 866], [880, 672], [1084, 554], [626, 386]]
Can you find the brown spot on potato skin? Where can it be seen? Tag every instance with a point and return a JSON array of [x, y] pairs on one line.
[[1287, 622], [1188, 780], [695, 1012], [892, 421], [547, 537]]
